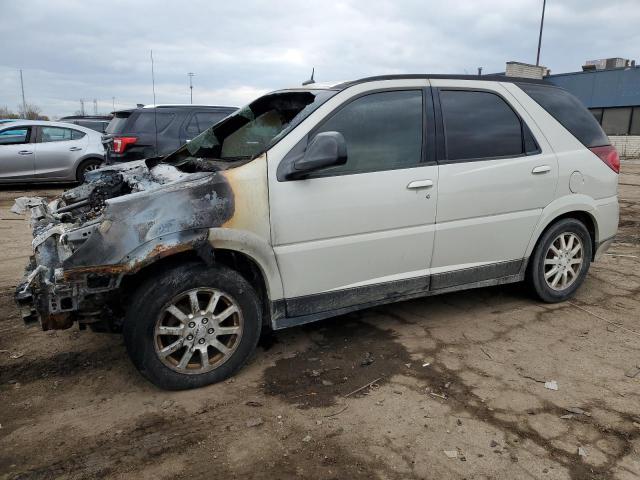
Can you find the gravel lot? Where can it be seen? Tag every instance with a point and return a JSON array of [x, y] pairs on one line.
[[457, 388]]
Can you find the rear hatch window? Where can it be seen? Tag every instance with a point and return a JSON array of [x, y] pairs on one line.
[[117, 123], [569, 112]]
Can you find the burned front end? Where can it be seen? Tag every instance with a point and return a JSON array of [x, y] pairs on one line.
[[88, 242]]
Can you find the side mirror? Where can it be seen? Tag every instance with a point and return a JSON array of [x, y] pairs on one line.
[[327, 149]]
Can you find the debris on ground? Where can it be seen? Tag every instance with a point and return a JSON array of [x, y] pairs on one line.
[[493, 444], [166, 404], [426, 364], [582, 452], [307, 439], [551, 385], [577, 411], [254, 422], [633, 372], [370, 384], [368, 359], [568, 416], [451, 453], [252, 403], [22, 203]]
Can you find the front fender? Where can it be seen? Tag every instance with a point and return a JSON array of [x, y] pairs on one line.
[[256, 248]]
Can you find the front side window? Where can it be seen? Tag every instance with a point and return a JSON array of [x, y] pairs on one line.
[[15, 136], [383, 131], [249, 131], [55, 134], [480, 125]]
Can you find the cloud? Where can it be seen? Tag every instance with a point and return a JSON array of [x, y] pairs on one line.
[[72, 49]]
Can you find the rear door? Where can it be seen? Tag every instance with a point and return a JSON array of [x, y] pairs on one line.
[[496, 174], [17, 153], [58, 150]]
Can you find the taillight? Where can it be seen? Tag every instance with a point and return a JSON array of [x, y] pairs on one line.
[[120, 144], [609, 155]]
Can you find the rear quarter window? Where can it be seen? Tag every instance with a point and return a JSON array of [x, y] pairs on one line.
[[569, 112], [146, 121], [117, 123]]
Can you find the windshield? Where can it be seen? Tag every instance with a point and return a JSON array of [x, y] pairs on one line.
[[251, 130]]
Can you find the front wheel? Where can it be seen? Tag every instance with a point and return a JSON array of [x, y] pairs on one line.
[[560, 261], [193, 326]]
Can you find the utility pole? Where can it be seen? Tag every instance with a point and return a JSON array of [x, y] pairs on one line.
[[544, 6], [191, 74], [24, 103], [95, 107], [113, 99], [82, 107], [479, 71]]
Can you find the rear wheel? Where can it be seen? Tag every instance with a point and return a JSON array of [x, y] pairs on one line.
[[193, 326], [87, 166], [561, 261]]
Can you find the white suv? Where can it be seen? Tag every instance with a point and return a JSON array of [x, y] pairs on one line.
[[316, 201]]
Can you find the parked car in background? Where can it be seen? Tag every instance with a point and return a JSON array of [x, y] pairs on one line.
[[313, 202], [7, 120], [98, 123], [153, 131], [41, 151]]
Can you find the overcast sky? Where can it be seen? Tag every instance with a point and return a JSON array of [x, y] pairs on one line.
[[241, 48]]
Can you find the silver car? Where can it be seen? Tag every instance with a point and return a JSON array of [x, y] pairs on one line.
[[41, 151]]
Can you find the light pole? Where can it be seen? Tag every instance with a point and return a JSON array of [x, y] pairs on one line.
[[191, 74], [544, 6]]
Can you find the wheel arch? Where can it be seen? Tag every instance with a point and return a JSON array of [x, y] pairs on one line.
[[245, 265], [582, 213]]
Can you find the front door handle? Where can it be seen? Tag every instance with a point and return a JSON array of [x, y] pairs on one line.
[[75, 149], [420, 184], [25, 152], [541, 169]]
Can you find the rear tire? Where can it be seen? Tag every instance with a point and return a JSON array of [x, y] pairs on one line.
[[87, 166], [560, 261], [178, 340]]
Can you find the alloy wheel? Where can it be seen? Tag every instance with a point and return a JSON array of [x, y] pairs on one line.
[[563, 261], [198, 330]]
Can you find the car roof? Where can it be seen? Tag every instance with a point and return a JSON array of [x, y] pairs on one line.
[[220, 108], [46, 123], [414, 76]]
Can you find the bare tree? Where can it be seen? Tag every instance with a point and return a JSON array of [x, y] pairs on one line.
[[6, 113], [30, 112]]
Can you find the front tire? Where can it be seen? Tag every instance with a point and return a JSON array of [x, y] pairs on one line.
[[192, 326], [560, 261]]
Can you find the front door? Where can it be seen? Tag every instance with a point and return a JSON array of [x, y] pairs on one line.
[[363, 231], [494, 181], [17, 154]]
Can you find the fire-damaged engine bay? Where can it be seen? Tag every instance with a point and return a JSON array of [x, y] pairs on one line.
[[122, 218]]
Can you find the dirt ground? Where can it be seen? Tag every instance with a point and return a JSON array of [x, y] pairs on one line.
[[457, 388]]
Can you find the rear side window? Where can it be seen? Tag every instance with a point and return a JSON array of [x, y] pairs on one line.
[[202, 120], [55, 134], [569, 112], [480, 125], [383, 131], [146, 121], [77, 134]]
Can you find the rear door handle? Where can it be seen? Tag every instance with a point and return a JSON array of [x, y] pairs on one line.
[[75, 149], [25, 152], [420, 184], [541, 169]]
